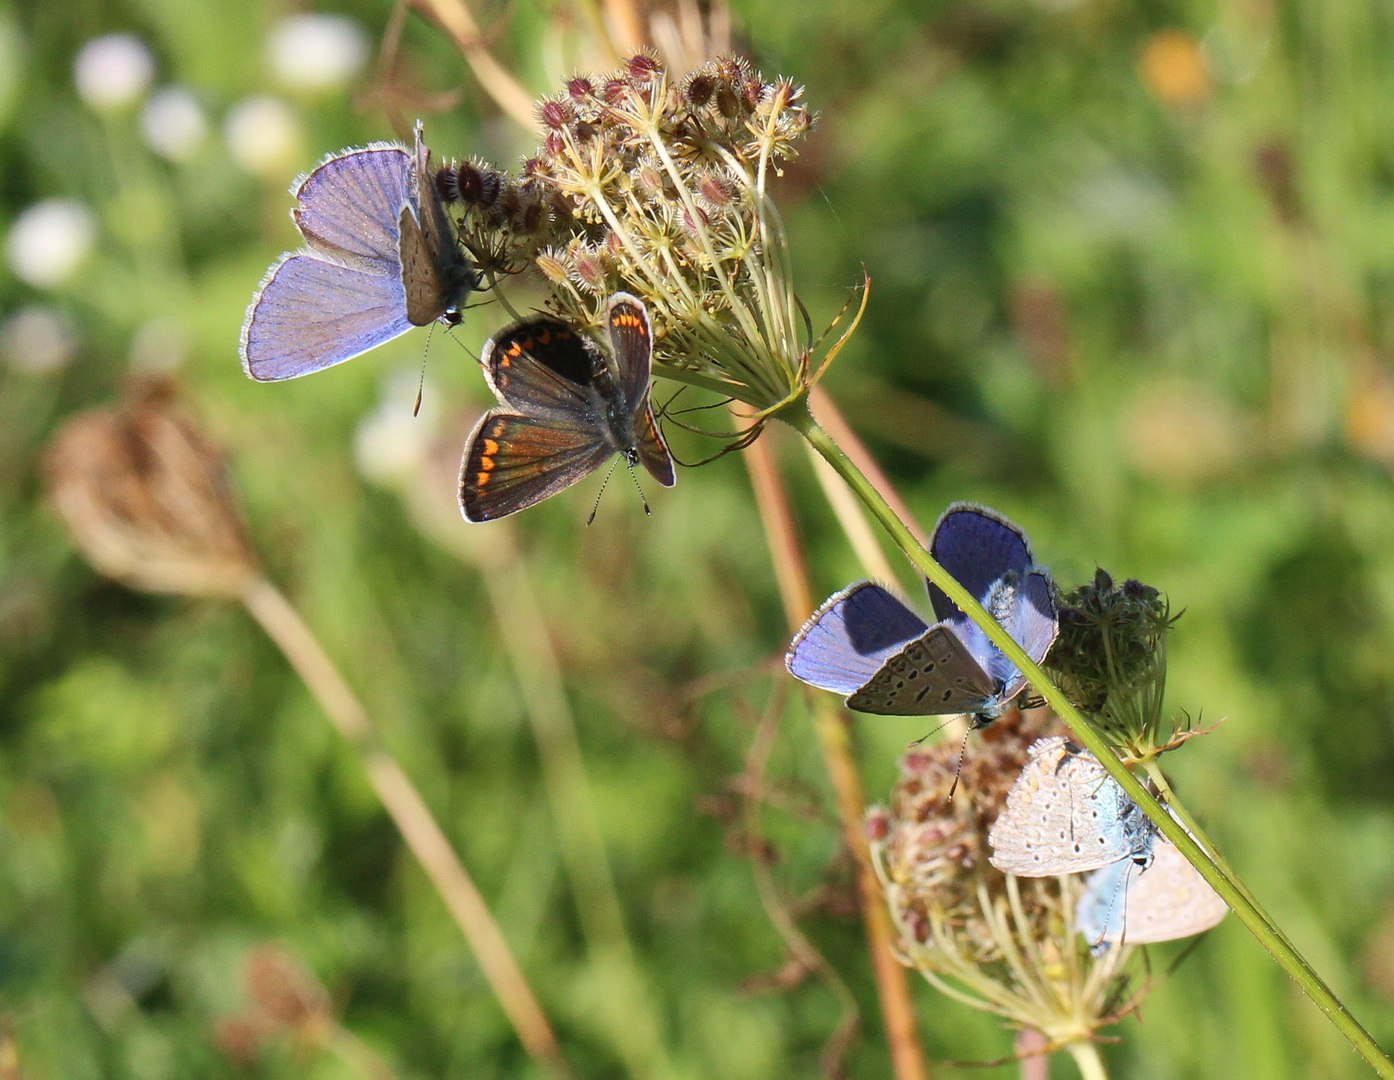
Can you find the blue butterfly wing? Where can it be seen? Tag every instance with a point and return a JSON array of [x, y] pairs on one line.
[[976, 546], [350, 206], [1033, 624], [309, 314], [850, 638]]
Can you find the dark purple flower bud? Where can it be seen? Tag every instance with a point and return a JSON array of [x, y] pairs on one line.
[[615, 91], [579, 88], [643, 68], [448, 183], [699, 89], [555, 114]]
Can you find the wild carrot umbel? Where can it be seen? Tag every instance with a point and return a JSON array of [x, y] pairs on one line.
[[662, 188], [1000, 943]]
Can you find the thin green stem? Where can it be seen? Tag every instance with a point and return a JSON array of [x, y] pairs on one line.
[[1090, 1062], [798, 417]]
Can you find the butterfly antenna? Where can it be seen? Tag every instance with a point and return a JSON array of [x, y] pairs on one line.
[[635, 477], [927, 735], [421, 380], [1097, 947], [608, 473], [958, 769]]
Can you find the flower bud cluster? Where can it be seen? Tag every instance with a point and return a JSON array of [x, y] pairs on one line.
[[1110, 658], [660, 188]]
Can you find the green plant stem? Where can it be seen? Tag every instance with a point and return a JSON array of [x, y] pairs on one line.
[[1090, 1062], [798, 417]]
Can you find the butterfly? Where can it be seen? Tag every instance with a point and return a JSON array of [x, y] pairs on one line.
[[867, 645], [380, 257], [1066, 815], [1162, 901], [565, 409]]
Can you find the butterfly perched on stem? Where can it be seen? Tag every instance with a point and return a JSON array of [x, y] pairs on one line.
[[381, 256], [867, 645], [565, 409]]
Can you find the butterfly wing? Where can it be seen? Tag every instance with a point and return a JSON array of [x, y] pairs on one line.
[[850, 637], [1066, 815], [976, 546], [631, 344], [310, 313], [1027, 609], [513, 461], [349, 206], [436, 276], [1137, 905], [541, 366], [933, 675]]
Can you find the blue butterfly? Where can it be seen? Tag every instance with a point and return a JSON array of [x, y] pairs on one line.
[[380, 257], [867, 645], [1066, 815]]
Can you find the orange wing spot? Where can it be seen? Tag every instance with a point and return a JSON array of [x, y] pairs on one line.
[[491, 448], [482, 480]]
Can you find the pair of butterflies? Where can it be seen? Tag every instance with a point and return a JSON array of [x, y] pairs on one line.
[[865, 644], [1066, 815], [381, 256]]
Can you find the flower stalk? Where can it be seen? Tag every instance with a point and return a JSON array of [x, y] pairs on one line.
[[1219, 878]]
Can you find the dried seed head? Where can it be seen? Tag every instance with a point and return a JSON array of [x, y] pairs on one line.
[[145, 495], [552, 267], [580, 88], [283, 990], [1009, 944], [699, 89]]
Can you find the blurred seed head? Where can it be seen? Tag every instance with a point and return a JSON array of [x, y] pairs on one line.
[[144, 493], [284, 991], [1006, 944], [314, 53], [263, 136], [173, 124], [49, 241], [113, 72]]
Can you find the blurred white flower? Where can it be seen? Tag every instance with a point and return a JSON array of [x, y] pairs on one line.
[[312, 53], [114, 71], [38, 339], [391, 444], [159, 346], [263, 136], [173, 123], [49, 240]]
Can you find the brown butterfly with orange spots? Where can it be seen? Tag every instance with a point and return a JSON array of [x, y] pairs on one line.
[[565, 409]]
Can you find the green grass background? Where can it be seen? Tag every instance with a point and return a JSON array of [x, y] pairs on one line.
[[1155, 332]]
